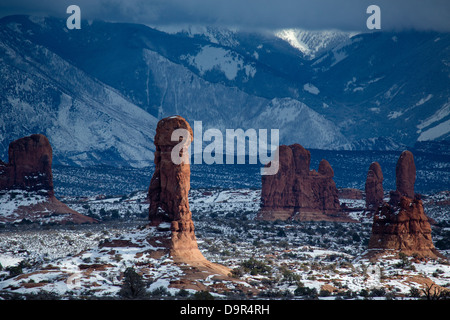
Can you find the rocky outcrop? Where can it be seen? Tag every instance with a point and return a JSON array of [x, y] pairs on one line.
[[405, 228], [29, 169], [374, 187], [296, 192], [350, 193], [168, 195], [402, 223], [30, 165]]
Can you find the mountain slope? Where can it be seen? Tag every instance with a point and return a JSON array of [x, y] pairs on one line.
[[90, 122], [314, 43], [98, 92], [87, 122], [388, 85]]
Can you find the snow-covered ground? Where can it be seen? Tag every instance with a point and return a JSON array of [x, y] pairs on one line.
[[293, 260]]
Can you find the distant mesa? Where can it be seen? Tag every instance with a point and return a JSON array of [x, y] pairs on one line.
[[169, 211], [29, 170], [402, 223], [298, 193]]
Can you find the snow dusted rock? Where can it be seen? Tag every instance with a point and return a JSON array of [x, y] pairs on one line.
[[30, 165], [29, 170], [295, 192], [402, 223], [374, 186], [169, 202], [405, 228]]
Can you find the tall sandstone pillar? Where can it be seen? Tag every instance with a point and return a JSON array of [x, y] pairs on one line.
[[168, 195], [374, 187]]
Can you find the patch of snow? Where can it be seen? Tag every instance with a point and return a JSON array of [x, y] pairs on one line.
[[423, 100], [312, 43], [435, 132], [226, 61], [311, 88], [437, 116], [394, 114]]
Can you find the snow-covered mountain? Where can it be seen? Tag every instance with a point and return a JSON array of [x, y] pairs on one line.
[[313, 43], [98, 92], [87, 121]]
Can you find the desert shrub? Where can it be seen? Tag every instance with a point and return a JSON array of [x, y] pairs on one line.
[[414, 292], [133, 286], [14, 270], [290, 277], [160, 292], [377, 292], [255, 267], [183, 293], [202, 295], [306, 291]]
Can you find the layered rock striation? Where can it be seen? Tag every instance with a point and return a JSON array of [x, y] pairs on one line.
[[296, 192]]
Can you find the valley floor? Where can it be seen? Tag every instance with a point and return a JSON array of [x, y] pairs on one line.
[[271, 260]]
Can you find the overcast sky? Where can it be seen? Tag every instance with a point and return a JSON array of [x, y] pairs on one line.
[[347, 15]]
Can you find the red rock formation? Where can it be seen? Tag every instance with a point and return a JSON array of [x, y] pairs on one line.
[[405, 173], [29, 168], [374, 187], [405, 228], [168, 196], [30, 165], [295, 192], [402, 223], [350, 193], [170, 184]]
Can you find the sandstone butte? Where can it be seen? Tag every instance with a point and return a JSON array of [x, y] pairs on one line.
[[169, 204], [401, 224], [374, 187], [29, 168], [298, 193]]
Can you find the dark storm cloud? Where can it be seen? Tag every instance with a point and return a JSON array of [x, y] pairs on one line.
[[268, 14]]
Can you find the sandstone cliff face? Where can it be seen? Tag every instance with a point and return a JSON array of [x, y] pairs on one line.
[[296, 192], [29, 168], [168, 195], [374, 187], [30, 165], [402, 223]]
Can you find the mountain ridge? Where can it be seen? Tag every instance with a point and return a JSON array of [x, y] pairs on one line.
[[350, 94]]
